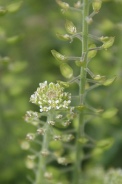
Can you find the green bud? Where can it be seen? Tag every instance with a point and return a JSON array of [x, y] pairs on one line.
[[108, 43], [58, 56], [96, 5], [97, 77], [63, 37], [92, 53], [48, 175], [83, 140], [64, 84], [104, 38], [62, 4], [80, 108], [67, 137], [70, 27]]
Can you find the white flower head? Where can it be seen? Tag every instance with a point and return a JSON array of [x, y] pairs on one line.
[[51, 96]]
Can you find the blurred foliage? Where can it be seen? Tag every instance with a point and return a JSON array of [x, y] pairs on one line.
[[27, 34]]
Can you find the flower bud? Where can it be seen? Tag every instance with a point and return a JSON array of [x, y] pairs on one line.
[[97, 77], [67, 138], [45, 153], [41, 131], [30, 136], [62, 160], [57, 137], [58, 56], [96, 5], [70, 27], [64, 84], [48, 175], [51, 123], [62, 4]]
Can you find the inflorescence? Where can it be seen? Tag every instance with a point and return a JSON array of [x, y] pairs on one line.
[[51, 96]]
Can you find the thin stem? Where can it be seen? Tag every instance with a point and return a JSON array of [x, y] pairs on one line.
[[43, 157], [82, 84]]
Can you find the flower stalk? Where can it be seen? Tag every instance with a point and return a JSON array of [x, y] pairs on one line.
[[41, 167], [82, 84]]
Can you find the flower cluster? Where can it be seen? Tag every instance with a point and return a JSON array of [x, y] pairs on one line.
[[113, 176], [51, 96]]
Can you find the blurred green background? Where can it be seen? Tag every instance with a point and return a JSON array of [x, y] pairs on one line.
[[27, 34]]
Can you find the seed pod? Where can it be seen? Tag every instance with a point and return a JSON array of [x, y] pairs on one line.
[[63, 37], [109, 81], [92, 53], [108, 43], [96, 5], [70, 27], [62, 4], [58, 56]]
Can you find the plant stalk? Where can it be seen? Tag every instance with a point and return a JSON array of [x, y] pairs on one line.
[[80, 129], [41, 169]]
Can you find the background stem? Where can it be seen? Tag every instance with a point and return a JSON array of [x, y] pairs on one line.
[[80, 129]]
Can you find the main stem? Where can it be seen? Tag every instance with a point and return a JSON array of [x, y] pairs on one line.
[[80, 130], [41, 168]]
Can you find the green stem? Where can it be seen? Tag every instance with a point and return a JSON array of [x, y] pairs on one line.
[[80, 129], [40, 179]]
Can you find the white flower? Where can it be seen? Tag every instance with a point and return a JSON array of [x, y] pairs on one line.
[[51, 96]]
